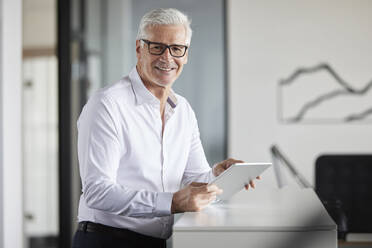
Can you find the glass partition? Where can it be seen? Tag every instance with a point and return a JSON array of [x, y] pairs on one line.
[[99, 49], [110, 33]]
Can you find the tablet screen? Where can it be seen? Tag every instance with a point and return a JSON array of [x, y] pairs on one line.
[[236, 177]]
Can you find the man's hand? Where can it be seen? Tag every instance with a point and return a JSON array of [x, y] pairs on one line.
[[194, 197], [224, 165]]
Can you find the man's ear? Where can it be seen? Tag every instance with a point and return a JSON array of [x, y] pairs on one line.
[[138, 47], [186, 57]]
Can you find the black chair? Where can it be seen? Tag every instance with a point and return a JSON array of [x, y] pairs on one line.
[[344, 184]]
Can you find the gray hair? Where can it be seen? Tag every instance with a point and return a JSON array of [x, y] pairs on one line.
[[164, 17]]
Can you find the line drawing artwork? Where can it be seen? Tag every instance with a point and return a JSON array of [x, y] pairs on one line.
[[343, 90]]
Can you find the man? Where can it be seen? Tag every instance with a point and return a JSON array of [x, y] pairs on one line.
[[140, 155]]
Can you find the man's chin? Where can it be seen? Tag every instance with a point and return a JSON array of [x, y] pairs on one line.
[[163, 83]]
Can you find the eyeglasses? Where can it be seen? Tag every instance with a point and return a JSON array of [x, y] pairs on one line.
[[156, 48]]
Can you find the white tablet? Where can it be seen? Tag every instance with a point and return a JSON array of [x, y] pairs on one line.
[[236, 177]]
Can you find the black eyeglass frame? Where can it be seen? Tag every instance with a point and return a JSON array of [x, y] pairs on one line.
[[165, 47]]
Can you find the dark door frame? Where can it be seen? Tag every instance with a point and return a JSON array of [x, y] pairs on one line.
[[64, 121]]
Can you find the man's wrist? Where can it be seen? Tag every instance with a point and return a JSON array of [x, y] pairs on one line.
[[172, 205], [174, 208]]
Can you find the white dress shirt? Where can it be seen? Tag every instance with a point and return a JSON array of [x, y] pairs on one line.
[[129, 169]]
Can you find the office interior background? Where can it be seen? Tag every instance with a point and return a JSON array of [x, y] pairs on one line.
[[294, 74]]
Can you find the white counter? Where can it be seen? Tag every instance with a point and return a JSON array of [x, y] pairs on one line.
[[259, 218]]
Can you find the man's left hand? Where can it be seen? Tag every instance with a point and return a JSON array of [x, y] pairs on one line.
[[224, 165]]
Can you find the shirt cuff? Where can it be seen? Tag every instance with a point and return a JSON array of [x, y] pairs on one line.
[[163, 204]]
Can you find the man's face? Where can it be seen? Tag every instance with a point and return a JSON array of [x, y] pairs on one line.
[[161, 70]]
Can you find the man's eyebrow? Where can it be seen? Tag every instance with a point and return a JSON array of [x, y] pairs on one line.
[[178, 45], [160, 43]]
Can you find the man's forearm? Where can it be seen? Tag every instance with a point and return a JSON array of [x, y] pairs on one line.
[[120, 200]]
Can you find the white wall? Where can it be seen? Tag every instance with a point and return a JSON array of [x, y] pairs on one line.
[[268, 40], [11, 214]]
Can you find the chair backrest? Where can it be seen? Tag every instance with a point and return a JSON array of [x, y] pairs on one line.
[[347, 178]]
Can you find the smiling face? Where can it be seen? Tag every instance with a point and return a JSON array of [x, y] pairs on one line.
[[161, 70]]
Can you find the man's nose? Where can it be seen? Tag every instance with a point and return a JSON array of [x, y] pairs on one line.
[[166, 54]]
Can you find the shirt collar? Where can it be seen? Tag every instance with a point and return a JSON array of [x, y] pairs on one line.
[[143, 95]]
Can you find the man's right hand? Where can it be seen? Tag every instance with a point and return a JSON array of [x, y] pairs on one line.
[[194, 197]]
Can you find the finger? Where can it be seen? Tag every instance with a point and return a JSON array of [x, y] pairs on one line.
[[212, 198], [252, 184], [214, 188], [201, 203], [228, 162], [206, 189], [258, 177], [246, 186], [203, 189], [237, 161], [206, 196], [202, 200], [234, 161], [196, 184], [202, 206], [227, 165]]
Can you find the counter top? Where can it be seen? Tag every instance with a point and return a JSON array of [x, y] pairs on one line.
[[285, 209]]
